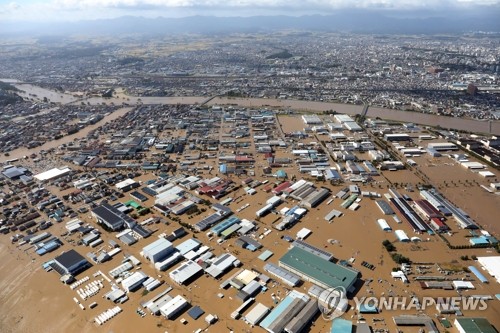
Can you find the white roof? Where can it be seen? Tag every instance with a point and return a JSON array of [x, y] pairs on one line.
[[246, 276], [273, 200], [402, 236], [52, 173], [188, 245], [171, 190], [399, 275], [303, 233], [173, 305], [473, 165], [297, 184], [300, 211], [185, 271], [463, 285], [341, 118], [284, 210], [257, 313], [491, 265], [125, 183], [383, 224], [134, 279]]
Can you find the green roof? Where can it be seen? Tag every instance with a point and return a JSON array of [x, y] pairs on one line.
[[132, 203], [319, 269], [476, 325]]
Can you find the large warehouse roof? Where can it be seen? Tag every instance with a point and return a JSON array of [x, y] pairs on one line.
[[491, 265], [52, 173], [318, 269], [474, 325]]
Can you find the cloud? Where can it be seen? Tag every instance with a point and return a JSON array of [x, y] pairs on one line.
[[40, 10]]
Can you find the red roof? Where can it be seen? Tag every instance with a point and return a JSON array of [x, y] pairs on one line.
[[281, 187], [428, 208], [439, 224], [244, 159]]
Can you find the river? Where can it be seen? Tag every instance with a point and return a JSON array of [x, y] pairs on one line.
[[466, 124]]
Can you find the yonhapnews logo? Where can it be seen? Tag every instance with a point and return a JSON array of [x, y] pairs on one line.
[[332, 303]]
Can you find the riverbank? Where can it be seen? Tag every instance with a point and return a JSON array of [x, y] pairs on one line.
[[462, 124]]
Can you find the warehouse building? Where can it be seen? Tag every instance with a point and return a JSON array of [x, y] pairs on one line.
[[311, 119], [290, 314], [474, 325], [185, 272], [397, 137], [440, 146], [352, 126], [283, 274], [313, 249], [188, 245], [317, 270], [491, 265], [158, 250], [222, 264], [127, 185], [70, 262], [402, 236], [52, 174], [134, 281], [384, 225], [174, 307], [412, 320], [340, 325], [447, 208], [112, 217], [303, 318], [342, 118], [257, 314], [315, 198]]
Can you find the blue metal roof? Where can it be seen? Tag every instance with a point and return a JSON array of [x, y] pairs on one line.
[[219, 228], [478, 241], [196, 312], [478, 274], [278, 310], [340, 325], [281, 174]]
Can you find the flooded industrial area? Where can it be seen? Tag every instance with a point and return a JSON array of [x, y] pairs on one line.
[[446, 122], [249, 181]]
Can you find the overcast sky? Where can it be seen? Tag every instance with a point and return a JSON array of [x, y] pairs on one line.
[[72, 10]]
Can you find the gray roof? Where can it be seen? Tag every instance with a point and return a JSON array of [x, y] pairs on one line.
[[111, 216]]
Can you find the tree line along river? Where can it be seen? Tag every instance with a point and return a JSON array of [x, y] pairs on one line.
[[39, 93]]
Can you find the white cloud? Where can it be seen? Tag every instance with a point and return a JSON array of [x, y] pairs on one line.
[[45, 10]]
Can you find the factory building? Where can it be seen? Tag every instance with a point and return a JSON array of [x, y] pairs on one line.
[[317, 270], [70, 262], [112, 217], [158, 250]]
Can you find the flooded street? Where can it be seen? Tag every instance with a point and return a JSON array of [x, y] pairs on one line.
[[472, 125], [34, 92], [20, 152], [405, 116]]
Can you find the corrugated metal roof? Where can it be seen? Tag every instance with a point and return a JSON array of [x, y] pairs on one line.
[[318, 269]]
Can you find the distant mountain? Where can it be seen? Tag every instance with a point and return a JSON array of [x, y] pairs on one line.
[[363, 21]]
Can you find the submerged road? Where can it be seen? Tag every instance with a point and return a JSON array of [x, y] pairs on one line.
[[466, 124]]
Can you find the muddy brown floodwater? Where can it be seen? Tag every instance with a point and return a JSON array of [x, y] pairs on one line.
[[21, 152], [467, 124], [472, 125]]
